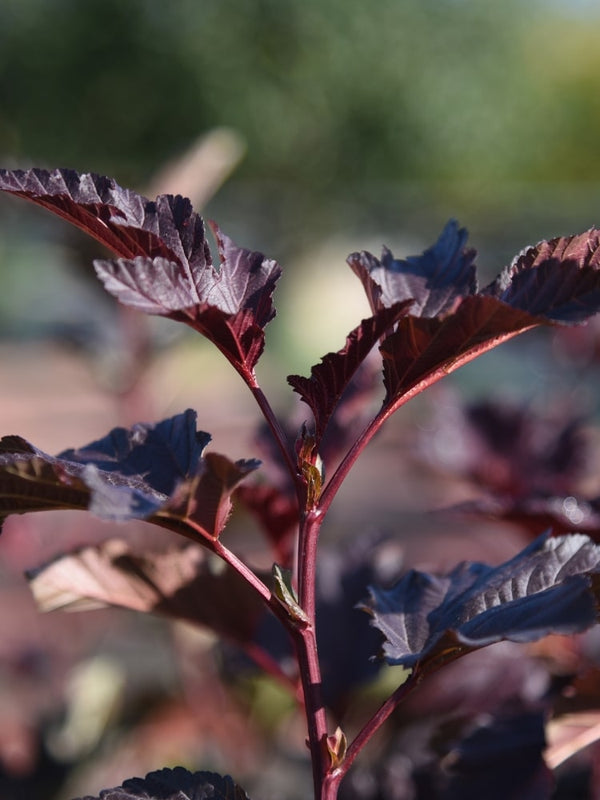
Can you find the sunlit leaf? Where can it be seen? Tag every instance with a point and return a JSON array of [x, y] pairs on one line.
[[550, 587], [165, 265]]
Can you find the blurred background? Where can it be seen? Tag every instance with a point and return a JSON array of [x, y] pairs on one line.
[[307, 130]]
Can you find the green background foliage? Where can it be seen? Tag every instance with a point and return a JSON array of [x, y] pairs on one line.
[[468, 106]]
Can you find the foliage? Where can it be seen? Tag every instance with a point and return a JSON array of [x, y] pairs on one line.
[[429, 317]]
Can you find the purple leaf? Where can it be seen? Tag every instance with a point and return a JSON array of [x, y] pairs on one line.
[[175, 784], [329, 379], [165, 266], [433, 281], [147, 472], [550, 587], [127, 223], [510, 449], [478, 764], [450, 322], [231, 307]]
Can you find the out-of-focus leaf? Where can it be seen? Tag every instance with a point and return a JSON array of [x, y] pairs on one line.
[[165, 266], [508, 448], [182, 583], [564, 514], [277, 514], [345, 638], [175, 784], [452, 323], [146, 472], [501, 758], [329, 379], [550, 587]]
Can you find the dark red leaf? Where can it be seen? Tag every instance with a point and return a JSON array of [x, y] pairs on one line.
[[329, 379], [277, 513], [557, 280], [423, 350], [166, 267]]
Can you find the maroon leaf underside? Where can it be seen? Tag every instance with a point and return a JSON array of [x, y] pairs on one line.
[[124, 221], [166, 266], [423, 350], [206, 499], [180, 583], [329, 379]]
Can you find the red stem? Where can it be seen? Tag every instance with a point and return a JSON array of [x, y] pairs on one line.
[[334, 778]]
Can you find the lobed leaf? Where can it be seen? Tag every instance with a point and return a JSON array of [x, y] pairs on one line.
[[153, 472], [550, 587], [175, 784], [165, 266]]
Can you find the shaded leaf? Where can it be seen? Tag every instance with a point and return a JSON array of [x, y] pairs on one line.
[[175, 784], [329, 379], [509, 448], [146, 472], [478, 765], [547, 588], [165, 266], [183, 583], [536, 513]]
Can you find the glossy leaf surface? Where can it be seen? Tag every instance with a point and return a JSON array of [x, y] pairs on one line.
[[165, 266], [451, 322], [550, 587]]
